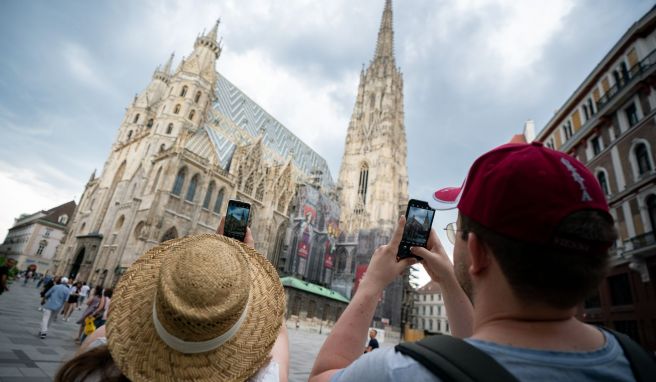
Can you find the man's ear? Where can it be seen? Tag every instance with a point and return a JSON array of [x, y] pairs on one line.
[[479, 254]]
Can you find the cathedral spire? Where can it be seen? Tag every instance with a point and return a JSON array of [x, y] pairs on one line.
[[385, 43], [167, 66], [213, 32]]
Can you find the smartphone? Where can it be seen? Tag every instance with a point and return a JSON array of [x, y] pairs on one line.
[[419, 219], [236, 219]]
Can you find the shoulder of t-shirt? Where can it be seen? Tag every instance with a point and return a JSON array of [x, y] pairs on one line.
[[385, 365]]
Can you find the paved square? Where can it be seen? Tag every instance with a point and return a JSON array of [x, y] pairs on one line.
[[24, 357]]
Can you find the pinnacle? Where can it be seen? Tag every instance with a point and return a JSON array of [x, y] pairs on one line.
[[213, 33], [385, 43], [167, 66]]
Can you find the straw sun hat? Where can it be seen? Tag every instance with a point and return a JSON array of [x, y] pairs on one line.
[[198, 308]]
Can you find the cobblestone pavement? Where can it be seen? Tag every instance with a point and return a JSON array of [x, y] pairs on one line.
[[25, 358]]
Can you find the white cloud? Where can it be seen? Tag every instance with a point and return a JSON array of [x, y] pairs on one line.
[[25, 191], [84, 68]]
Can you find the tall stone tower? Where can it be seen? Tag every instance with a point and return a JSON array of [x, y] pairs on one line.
[[373, 178]]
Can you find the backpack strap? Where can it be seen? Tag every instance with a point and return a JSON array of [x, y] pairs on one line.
[[642, 364], [454, 360]]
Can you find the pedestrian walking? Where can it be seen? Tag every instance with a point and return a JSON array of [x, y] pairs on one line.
[[73, 297], [28, 276], [84, 292], [4, 274], [373, 342], [93, 307], [101, 315], [231, 329], [55, 299]]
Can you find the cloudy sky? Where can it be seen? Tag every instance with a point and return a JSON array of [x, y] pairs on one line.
[[474, 71]]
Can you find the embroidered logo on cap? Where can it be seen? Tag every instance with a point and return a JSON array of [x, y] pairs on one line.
[[578, 179]]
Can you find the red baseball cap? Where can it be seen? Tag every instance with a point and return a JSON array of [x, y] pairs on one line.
[[523, 191]]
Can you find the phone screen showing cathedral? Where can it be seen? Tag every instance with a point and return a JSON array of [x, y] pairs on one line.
[[236, 221], [418, 225]]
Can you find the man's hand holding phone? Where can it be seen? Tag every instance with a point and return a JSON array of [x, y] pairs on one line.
[[383, 267], [435, 260]]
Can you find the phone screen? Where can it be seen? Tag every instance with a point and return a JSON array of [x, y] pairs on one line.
[[236, 220], [418, 226]]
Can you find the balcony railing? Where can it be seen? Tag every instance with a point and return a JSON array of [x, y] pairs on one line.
[[641, 241], [627, 78]]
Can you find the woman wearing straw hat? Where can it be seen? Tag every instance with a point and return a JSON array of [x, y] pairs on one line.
[[198, 308]]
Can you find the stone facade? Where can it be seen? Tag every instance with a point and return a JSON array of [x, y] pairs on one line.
[[609, 124], [429, 312], [34, 238], [187, 144]]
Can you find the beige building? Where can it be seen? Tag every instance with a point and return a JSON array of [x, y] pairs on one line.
[[373, 178], [429, 313], [188, 143], [608, 123], [34, 238]]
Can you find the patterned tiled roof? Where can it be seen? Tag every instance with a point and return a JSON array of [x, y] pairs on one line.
[[248, 120]]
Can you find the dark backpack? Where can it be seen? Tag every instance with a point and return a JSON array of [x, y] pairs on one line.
[[454, 360]]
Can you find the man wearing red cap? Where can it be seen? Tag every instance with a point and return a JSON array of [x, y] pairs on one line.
[[530, 244]]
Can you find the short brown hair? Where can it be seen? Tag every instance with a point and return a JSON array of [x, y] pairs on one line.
[[552, 274]]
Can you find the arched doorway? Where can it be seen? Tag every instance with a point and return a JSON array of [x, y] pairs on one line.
[[75, 269]]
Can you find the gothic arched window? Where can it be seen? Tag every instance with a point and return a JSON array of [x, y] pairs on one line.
[[129, 134], [259, 193], [183, 92], [150, 123], [136, 118], [169, 128], [219, 201], [170, 234], [603, 182], [179, 181], [208, 195], [642, 159], [362, 184], [192, 114], [197, 98], [176, 110], [191, 191], [372, 101]]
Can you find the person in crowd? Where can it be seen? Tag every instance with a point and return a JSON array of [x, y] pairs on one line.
[[28, 276], [230, 329], [4, 274], [94, 306], [73, 297], [55, 299], [84, 292], [101, 315], [530, 243], [373, 342], [46, 287]]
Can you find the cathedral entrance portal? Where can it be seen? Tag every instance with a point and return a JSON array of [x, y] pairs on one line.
[[76, 265]]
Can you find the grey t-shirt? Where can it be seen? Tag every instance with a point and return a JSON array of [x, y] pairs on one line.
[[605, 364]]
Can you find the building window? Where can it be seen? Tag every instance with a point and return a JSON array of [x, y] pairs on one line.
[[154, 187], [567, 129], [596, 145], [197, 98], [642, 159], [550, 143], [191, 191], [603, 182], [631, 114], [42, 246], [183, 92], [179, 181], [136, 118], [651, 211], [219, 201], [591, 107], [129, 134], [176, 110], [620, 289], [63, 219], [362, 184], [150, 123], [586, 112], [169, 128], [192, 114], [430, 325], [208, 195]]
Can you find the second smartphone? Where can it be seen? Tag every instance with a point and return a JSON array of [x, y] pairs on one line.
[[236, 219], [419, 219]]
